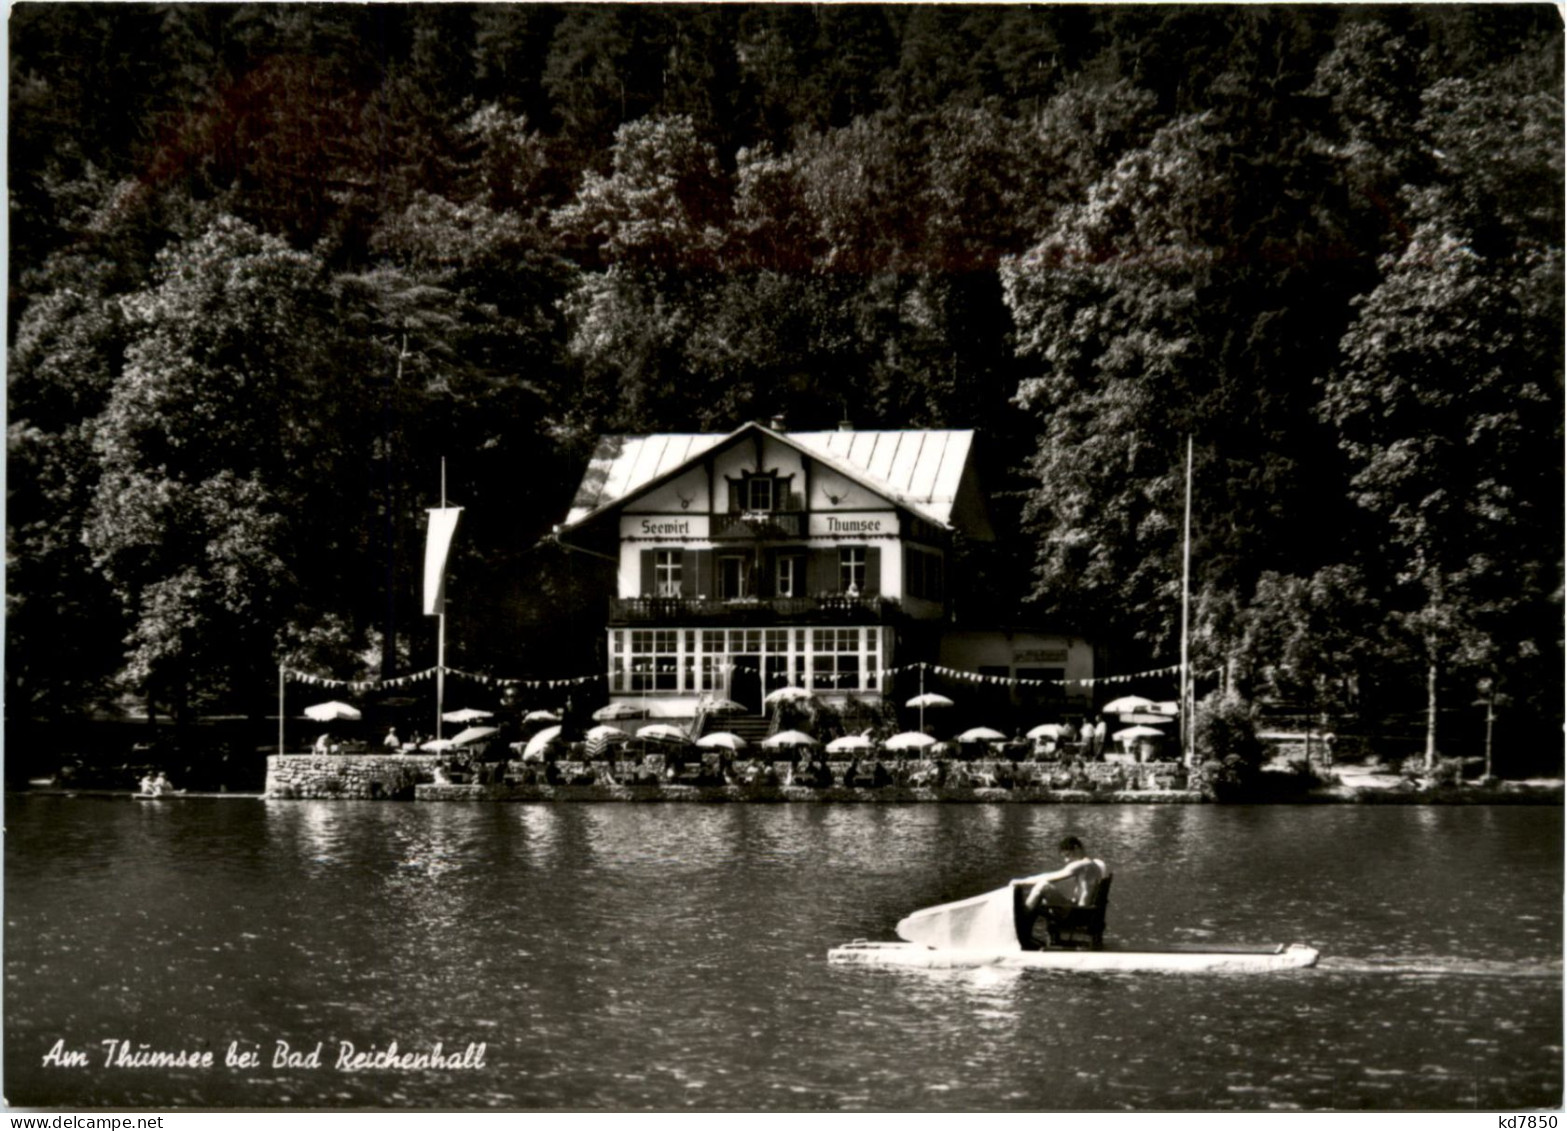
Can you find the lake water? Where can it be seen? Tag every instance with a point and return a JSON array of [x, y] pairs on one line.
[[669, 956]]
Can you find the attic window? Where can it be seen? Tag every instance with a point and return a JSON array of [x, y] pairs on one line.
[[759, 491]]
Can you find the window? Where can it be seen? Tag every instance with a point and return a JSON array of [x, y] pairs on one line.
[[759, 493], [836, 664], [666, 573], [790, 575], [655, 660], [851, 569]]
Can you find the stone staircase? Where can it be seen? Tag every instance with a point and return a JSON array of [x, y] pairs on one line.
[[752, 728]]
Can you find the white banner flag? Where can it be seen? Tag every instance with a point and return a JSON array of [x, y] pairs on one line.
[[443, 524]]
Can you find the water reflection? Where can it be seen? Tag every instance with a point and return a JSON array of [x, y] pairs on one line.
[[669, 956]]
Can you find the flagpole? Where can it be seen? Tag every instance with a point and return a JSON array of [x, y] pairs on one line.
[[440, 633], [1186, 599], [280, 682]]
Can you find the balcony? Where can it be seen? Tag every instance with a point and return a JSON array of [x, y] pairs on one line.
[[828, 608]]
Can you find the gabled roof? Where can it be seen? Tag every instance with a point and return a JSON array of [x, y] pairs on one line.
[[921, 470]]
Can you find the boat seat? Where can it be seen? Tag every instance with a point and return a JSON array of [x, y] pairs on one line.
[[1073, 928]]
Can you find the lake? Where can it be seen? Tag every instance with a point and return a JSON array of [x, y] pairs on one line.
[[671, 956]]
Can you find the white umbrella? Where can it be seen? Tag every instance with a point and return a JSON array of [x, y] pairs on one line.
[[1147, 719], [473, 734], [721, 740], [1137, 732], [1168, 707], [788, 738], [437, 745], [929, 699], [541, 717], [467, 715], [909, 740], [332, 712], [619, 711], [724, 707], [850, 744], [601, 738], [786, 694], [1127, 704], [1048, 730], [534, 751], [663, 732], [981, 734]]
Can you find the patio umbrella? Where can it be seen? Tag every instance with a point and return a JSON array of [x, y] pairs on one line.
[[786, 694], [473, 734], [467, 715], [437, 745], [721, 740], [332, 712], [1126, 705], [601, 738], [850, 744], [909, 740], [1168, 707], [541, 717], [1048, 730], [724, 707], [534, 751], [1146, 718], [927, 699], [663, 732], [785, 738], [1137, 732], [981, 734], [619, 711]]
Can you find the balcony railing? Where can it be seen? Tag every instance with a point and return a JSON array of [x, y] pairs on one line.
[[827, 608]]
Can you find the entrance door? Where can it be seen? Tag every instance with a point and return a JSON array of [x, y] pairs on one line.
[[745, 682]]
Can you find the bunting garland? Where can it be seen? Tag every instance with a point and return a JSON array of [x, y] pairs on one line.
[[646, 669]]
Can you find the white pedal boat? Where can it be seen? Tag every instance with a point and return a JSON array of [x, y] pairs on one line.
[[990, 930], [1293, 956]]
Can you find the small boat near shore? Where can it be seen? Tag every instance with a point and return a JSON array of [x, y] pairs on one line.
[[1239, 960]]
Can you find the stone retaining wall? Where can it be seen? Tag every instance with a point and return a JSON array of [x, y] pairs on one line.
[[359, 777], [395, 777], [832, 794]]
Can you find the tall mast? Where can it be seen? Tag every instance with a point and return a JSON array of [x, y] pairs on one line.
[[1186, 601], [440, 633]]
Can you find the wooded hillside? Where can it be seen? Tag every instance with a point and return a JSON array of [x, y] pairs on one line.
[[270, 263]]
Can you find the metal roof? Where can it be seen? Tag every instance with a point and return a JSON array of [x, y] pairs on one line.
[[920, 468]]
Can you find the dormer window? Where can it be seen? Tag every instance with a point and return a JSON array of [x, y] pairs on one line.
[[760, 493]]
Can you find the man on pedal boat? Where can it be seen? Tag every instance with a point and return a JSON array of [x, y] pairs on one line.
[[1071, 887]]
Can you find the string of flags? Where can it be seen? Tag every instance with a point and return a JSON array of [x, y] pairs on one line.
[[653, 667]]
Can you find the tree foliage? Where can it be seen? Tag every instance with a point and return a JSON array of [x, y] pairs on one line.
[[270, 264]]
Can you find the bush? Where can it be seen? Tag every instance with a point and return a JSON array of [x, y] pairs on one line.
[[1223, 729]]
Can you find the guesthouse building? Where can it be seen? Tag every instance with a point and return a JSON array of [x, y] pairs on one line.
[[764, 558]]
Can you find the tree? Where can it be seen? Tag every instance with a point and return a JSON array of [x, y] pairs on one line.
[[222, 420]]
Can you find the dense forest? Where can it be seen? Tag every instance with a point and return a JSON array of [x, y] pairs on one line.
[[271, 263]]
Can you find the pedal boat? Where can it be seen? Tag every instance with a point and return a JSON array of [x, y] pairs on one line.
[[1194, 960], [996, 930]]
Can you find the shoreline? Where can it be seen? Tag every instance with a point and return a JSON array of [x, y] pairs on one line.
[[884, 795]]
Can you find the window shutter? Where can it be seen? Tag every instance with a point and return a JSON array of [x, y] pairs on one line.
[[828, 578], [688, 583], [649, 587], [872, 585], [701, 583]]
